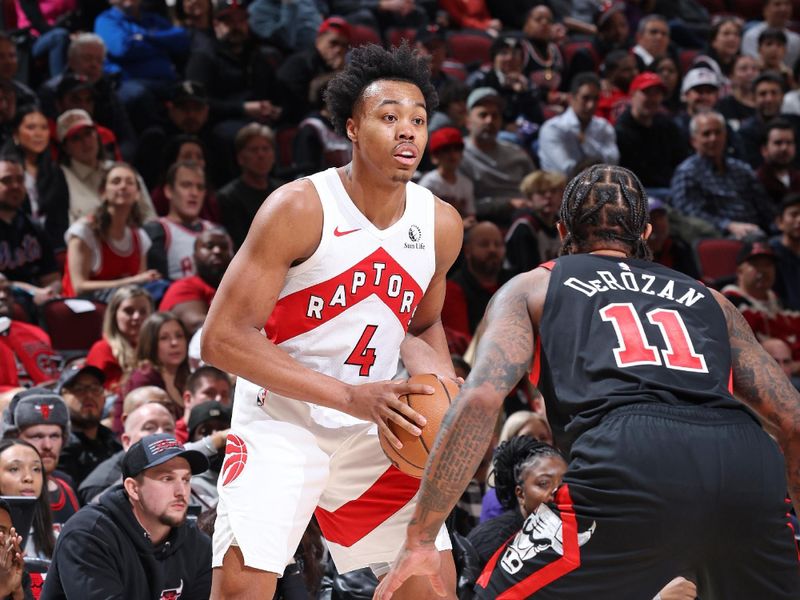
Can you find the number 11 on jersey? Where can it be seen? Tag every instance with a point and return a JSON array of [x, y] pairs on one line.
[[633, 348]]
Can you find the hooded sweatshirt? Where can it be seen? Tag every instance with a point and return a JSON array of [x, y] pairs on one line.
[[103, 552]]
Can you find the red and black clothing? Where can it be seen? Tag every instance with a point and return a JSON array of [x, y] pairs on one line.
[[668, 473]]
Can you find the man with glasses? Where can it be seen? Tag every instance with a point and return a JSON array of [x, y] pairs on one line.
[[90, 443]]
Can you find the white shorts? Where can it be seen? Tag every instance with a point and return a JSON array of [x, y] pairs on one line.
[[361, 501]]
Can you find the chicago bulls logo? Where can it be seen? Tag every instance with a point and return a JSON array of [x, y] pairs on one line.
[[172, 594], [44, 409], [235, 458], [541, 530]]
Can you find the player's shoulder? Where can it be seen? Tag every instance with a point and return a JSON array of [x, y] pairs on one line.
[[298, 198]]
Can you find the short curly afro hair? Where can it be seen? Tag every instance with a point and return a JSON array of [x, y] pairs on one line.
[[371, 63]]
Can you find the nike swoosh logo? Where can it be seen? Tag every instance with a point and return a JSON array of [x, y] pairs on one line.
[[338, 233]]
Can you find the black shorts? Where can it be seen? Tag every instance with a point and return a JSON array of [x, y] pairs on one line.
[[654, 492]]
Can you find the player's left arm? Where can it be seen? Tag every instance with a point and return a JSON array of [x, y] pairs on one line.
[[760, 383], [503, 358], [424, 349]]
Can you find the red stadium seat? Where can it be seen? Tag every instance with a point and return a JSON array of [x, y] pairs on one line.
[[361, 35], [470, 47], [749, 10], [396, 35], [717, 260], [685, 58], [73, 333], [284, 139], [455, 69], [715, 7], [569, 49]]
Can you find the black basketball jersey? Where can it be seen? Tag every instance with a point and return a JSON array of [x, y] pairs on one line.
[[621, 331]]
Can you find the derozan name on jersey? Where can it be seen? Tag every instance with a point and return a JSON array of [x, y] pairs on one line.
[[374, 281], [634, 282]]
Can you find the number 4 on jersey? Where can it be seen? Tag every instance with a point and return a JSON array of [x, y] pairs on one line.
[[633, 348], [362, 355]]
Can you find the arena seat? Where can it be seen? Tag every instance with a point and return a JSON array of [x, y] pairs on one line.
[[361, 35], [470, 47], [396, 35], [716, 259], [72, 333]]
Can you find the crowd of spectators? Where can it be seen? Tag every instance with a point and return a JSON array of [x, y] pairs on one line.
[[138, 139]]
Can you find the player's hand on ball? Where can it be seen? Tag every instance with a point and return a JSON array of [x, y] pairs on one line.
[[379, 402], [422, 560]]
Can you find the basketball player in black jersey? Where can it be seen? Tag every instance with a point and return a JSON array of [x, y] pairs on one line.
[[670, 472]]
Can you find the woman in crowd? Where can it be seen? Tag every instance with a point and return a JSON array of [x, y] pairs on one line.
[[725, 41], [526, 473], [162, 358], [109, 248], [543, 62], [22, 474], [739, 105], [670, 74], [84, 164], [44, 181], [115, 353]]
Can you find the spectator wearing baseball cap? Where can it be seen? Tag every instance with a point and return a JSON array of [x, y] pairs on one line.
[[40, 417], [90, 442], [650, 143], [446, 147], [326, 55], [495, 167], [136, 542], [88, 151], [753, 295], [700, 92]]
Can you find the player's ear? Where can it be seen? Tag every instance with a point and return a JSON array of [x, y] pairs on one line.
[[351, 130], [647, 231], [562, 230]]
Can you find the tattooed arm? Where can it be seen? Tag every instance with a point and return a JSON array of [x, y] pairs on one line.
[[760, 383], [503, 358]]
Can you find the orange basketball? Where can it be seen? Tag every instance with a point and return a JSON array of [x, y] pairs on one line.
[[411, 458]]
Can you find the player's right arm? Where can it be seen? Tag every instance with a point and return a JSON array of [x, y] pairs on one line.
[[760, 383], [286, 231]]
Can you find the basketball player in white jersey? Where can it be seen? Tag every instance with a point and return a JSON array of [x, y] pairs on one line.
[[340, 274], [174, 235]]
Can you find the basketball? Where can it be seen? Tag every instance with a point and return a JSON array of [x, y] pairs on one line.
[[411, 458]]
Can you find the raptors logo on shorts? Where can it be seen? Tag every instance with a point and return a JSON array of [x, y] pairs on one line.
[[235, 458]]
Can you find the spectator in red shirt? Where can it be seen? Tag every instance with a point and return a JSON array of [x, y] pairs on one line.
[[115, 353], [190, 297], [26, 354]]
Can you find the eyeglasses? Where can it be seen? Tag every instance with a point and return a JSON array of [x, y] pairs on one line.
[[86, 388]]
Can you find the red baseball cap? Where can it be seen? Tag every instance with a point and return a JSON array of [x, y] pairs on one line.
[[645, 81], [337, 23], [444, 137]]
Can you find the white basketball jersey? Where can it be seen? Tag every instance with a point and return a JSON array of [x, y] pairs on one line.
[[345, 310], [179, 244]]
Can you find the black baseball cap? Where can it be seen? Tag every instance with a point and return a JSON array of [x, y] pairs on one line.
[[156, 449], [189, 91], [753, 250], [72, 372], [206, 412]]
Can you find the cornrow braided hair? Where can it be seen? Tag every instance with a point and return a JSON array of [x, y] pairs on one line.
[[511, 458], [605, 203]]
